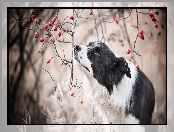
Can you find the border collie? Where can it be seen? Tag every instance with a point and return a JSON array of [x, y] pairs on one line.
[[128, 86]]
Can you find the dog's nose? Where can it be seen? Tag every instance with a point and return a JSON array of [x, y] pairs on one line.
[[77, 47]]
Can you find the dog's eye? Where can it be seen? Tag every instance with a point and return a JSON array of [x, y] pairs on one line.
[[96, 51]]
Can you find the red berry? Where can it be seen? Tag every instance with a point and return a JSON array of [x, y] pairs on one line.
[[145, 22], [49, 34], [59, 34], [81, 101], [137, 66], [33, 17], [141, 34], [72, 93], [54, 19], [36, 34], [129, 50], [153, 19], [49, 61], [37, 21], [91, 13], [46, 26], [55, 28], [72, 17], [142, 37], [59, 25], [141, 31], [42, 39], [151, 14], [162, 26], [52, 40], [156, 25], [115, 19], [50, 24]]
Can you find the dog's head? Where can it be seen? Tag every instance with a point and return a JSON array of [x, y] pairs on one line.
[[100, 62]]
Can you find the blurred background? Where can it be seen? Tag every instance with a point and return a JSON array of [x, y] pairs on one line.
[[38, 89]]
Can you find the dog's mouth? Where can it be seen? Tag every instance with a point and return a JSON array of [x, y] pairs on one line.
[[85, 68], [82, 64]]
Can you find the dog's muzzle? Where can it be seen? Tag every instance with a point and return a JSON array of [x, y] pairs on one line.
[[77, 48]]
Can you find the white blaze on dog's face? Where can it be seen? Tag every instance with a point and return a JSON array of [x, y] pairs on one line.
[[100, 62], [80, 54]]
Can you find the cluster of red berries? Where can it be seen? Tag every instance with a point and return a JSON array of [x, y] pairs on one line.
[[153, 15], [46, 27], [50, 24]]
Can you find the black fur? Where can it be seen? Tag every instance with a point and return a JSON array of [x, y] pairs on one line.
[[143, 99]]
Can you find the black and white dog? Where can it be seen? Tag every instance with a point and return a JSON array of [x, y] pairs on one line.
[[129, 87]]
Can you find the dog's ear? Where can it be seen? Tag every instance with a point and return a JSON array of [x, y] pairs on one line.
[[119, 68], [123, 66]]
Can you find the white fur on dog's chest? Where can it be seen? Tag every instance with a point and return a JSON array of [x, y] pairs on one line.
[[96, 94], [123, 91], [121, 94]]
